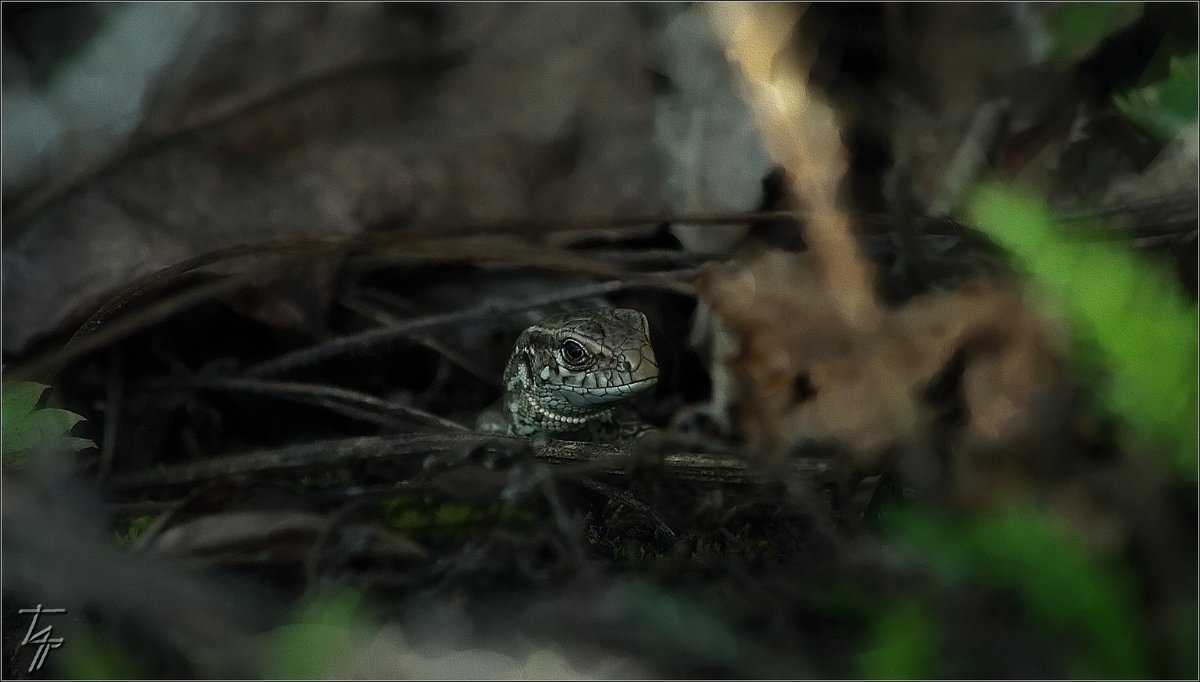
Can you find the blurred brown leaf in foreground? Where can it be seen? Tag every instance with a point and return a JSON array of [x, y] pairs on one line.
[[789, 368]]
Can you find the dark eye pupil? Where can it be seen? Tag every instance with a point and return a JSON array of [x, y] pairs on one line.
[[573, 350]]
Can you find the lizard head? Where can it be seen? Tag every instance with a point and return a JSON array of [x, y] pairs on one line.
[[577, 365]]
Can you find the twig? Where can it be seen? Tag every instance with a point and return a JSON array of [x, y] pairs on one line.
[[629, 500], [601, 458], [160, 278], [369, 309], [331, 397], [484, 249], [89, 336], [47, 364], [112, 413], [345, 344], [143, 508], [312, 557]]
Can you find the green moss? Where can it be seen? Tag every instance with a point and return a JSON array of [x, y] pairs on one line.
[[423, 515], [450, 514], [127, 534]]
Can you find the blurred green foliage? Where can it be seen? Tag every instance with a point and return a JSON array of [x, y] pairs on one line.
[[126, 535], [687, 626], [24, 428], [1078, 27], [902, 644], [1164, 107], [326, 627], [88, 654], [1185, 642], [1063, 588], [1165, 99], [1137, 332], [1138, 328]]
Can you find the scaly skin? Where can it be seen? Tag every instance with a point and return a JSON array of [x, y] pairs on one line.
[[569, 373]]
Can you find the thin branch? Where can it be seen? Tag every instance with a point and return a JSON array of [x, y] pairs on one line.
[[602, 458], [356, 342], [360, 304], [114, 394], [89, 336], [45, 365], [334, 398]]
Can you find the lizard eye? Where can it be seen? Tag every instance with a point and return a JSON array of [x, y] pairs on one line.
[[573, 351]]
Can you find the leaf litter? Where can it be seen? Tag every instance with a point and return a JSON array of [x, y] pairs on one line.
[[848, 477]]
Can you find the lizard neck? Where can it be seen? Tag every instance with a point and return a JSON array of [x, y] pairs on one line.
[[530, 410]]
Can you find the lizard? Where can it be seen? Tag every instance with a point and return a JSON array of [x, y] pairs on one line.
[[571, 375]]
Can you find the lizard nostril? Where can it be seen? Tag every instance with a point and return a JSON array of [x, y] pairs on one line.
[[626, 367]]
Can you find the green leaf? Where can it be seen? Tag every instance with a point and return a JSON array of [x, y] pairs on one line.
[[20, 397], [1165, 107], [1130, 312], [902, 645], [26, 429], [1079, 27]]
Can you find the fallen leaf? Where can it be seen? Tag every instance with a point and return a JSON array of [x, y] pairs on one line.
[[792, 370]]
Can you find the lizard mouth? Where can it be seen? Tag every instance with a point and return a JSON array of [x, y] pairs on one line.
[[600, 395]]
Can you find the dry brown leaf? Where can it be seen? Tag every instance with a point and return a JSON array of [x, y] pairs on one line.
[[788, 368], [802, 133], [544, 114]]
